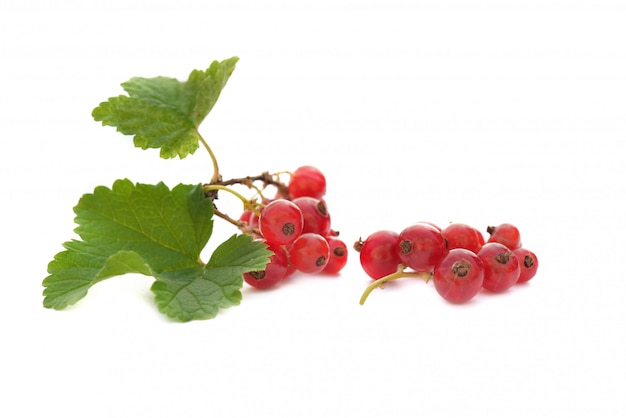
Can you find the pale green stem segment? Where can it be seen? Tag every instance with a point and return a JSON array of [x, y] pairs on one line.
[[400, 273], [216, 170], [246, 203]]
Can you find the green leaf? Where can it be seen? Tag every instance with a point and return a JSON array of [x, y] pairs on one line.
[[198, 293], [167, 228], [74, 271], [130, 228], [165, 113], [155, 231]]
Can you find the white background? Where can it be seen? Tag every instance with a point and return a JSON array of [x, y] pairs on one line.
[[479, 112]]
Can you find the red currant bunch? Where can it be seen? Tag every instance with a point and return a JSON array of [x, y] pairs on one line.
[[296, 227], [457, 258]]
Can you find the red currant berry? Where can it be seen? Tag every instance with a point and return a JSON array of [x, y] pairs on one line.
[[459, 276], [307, 181], [338, 255], [506, 234], [250, 218], [315, 214], [245, 216], [421, 247], [253, 221], [461, 235], [275, 271], [378, 254], [528, 264], [437, 227], [281, 222], [502, 268], [309, 253]]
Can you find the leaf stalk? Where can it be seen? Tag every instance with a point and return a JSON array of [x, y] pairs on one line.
[[216, 170]]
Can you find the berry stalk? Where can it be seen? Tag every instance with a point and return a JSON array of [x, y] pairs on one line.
[[400, 273], [266, 179]]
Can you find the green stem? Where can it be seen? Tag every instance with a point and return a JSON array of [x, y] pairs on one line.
[[400, 273], [216, 170], [246, 203]]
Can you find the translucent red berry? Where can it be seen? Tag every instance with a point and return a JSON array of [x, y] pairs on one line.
[[378, 254], [528, 264], [281, 222], [275, 271], [309, 253], [245, 216], [338, 255], [506, 234], [502, 268], [434, 225], [315, 215], [459, 235], [421, 247], [307, 181], [459, 276], [250, 218]]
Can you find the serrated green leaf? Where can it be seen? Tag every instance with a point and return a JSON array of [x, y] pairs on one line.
[[130, 228], [74, 271], [238, 255], [206, 86], [165, 113], [162, 225], [153, 125], [155, 231], [199, 293]]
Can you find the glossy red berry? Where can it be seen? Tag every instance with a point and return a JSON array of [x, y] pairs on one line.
[[528, 264], [309, 253], [315, 215], [338, 255], [281, 222], [378, 254], [434, 225], [506, 234], [459, 276], [307, 181], [250, 218], [459, 235], [421, 247], [275, 271], [245, 216], [502, 268]]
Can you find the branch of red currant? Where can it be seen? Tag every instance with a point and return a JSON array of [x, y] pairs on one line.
[[249, 204], [293, 222], [266, 179], [458, 258]]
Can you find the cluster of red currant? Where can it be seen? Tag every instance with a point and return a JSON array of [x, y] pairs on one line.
[[456, 257], [296, 227]]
